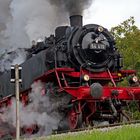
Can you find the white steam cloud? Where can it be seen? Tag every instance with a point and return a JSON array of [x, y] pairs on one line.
[[12, 58], [43, 111], [29, 20], [23, 21]]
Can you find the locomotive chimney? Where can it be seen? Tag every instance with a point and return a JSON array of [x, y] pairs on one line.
[[76, 20]]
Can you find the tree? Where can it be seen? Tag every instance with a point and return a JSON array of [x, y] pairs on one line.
[[127, 36]]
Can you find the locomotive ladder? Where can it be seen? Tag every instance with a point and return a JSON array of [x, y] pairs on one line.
[[61, 79]]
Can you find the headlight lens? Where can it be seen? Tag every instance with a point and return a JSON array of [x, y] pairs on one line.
[[119, 74], [100, 29], [135, 79], [86, 77]]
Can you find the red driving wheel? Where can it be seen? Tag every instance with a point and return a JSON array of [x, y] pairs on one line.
[[29, 130], [74, 119]]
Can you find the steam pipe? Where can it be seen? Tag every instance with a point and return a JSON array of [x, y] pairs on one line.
[[113, 108]]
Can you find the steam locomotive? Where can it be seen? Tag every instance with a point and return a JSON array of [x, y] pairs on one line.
[[82, 62]]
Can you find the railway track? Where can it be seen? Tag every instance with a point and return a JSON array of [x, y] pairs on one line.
[[109, 126], [86, 129]]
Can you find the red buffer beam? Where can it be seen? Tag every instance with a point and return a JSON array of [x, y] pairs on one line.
[[122, 93]]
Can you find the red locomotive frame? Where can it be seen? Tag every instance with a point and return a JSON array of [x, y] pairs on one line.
[[82, 93]]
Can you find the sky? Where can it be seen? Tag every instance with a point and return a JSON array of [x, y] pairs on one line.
[[110, 13]]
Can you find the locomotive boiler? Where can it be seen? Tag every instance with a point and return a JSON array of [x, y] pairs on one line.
[[90, 46], [82, 62]]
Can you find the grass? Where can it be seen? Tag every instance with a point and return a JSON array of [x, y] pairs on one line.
[[124, 133]]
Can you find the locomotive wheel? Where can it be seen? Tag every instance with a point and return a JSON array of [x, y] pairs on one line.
[[74, 119], [30, 130]]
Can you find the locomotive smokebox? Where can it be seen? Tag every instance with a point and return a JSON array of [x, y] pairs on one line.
[[76, 20]]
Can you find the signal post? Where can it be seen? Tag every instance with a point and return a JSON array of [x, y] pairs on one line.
[[16, 78]]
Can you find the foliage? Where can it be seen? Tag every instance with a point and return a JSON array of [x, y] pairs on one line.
[[133, 109], [136, 115], [127, 36]]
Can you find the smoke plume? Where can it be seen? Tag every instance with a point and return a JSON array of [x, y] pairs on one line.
[[42, 110], [4, 13], [29, 20], [12, 58], [72, 6], [23, 21]]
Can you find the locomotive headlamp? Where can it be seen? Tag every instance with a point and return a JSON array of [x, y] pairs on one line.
[[86, 77], [119, 74], [135, 79], [100, 29]]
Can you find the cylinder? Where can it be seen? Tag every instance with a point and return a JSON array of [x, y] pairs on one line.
[[76, 20]]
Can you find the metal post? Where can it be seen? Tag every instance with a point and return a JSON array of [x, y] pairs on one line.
[[17, 101]]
